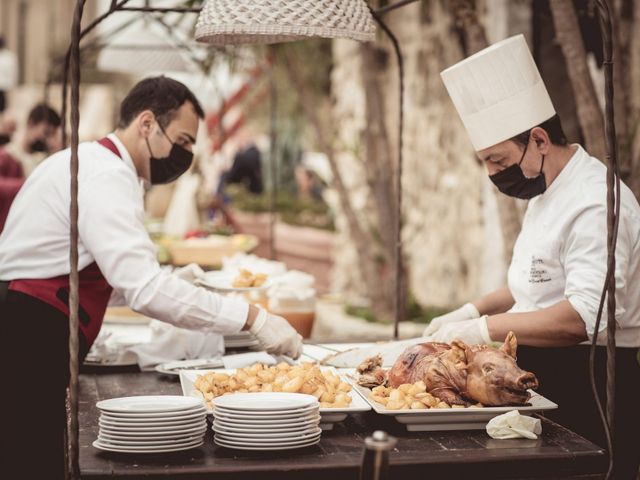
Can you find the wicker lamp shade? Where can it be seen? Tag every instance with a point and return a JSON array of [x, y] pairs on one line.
[[274, 21]]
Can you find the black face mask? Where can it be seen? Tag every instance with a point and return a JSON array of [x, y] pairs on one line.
[[512, 181], [167, 169], [38, 146]]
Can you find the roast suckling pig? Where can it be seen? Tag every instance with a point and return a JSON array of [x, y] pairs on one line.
[[458, 374]]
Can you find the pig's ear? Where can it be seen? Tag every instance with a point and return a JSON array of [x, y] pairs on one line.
[[510, 345], [459, 350]]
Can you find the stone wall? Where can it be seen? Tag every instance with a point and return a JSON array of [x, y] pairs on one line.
[[451, 237]]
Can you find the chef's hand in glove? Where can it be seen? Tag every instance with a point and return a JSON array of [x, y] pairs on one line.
[[466, 312], [472, 332], [276, 335], [190, 272]]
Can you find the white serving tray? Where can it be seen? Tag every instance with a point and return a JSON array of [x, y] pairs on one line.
[[328, 416], [436, 419]]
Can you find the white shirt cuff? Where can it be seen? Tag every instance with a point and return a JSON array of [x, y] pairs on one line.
[[588, 316], [232, 315]]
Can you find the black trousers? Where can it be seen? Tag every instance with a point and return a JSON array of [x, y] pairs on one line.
[[563, 374], [35, 356]]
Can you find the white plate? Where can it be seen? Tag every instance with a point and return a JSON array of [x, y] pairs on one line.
[[160, 433], [267, 425], [151, 423], [266, 402], [173, 368], [226, 429], [269, 438], [436, 419], [136, 427], [306, 417], [223, 282], [144, 442], [257, 443], [223, 443], [151, 444], [111, 448], [150, 417], [148, 404], [231, 413], [243, 334], [248, 343], [313, 417]]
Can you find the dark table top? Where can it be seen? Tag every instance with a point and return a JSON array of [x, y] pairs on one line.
[[557, 453]]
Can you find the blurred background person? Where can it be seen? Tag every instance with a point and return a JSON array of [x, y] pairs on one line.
[[247, 165], [40, 138], [19, 157]]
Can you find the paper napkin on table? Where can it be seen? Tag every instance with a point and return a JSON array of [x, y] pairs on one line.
[[514, 425]]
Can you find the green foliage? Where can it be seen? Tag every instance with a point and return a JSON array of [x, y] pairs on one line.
[[361, 312], [291, 209], [415, 313]]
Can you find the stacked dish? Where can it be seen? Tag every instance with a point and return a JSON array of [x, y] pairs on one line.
[[240, 340], [266, 421], [151, 424]]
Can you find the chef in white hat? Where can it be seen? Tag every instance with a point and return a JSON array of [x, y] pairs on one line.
[[558, 268]]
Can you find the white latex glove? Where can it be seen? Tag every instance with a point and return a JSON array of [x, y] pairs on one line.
[[465, 312], [190, 272], [276, 335], [472, 332]]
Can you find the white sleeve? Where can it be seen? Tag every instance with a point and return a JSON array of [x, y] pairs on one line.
[[111, 227], [585, 264]]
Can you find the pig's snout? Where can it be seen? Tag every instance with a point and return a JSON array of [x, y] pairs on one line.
[[527, 380]]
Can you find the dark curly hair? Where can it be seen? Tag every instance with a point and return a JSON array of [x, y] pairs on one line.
[[162, 95]]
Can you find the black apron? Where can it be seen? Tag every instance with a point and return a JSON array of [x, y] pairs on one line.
[[563, 374], [34, 342]]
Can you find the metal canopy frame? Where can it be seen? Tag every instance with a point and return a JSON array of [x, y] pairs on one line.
[[72, 66]]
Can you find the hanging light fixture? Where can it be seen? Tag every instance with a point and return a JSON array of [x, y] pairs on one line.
[[273, 21]]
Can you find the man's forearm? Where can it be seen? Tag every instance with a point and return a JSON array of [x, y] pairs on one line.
[[495, 302], [556, 326]]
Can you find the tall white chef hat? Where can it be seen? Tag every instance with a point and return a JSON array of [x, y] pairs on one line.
[[498, 92]]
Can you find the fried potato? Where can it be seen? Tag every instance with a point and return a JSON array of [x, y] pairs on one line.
[[412, 396], [306, 378], [246, 279]]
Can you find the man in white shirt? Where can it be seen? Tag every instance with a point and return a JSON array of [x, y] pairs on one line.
[[558, 267], [153, 144]]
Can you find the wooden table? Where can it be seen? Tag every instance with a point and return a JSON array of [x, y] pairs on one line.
[[558, 453]]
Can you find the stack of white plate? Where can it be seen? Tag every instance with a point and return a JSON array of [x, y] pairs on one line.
[[266, 421], [240, 340], [151, 424]]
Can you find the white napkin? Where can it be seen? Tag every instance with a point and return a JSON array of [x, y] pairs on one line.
[[168, 343], [242, 360], [110, 347], [514, 425]]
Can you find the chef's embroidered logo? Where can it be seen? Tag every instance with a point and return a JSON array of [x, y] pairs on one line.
[[538, 273]]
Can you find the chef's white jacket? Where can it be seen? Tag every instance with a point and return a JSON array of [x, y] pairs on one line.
[[561, 251], [35, 241]]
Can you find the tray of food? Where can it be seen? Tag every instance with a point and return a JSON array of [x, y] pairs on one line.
[[243, 281], [336, 396], [437, 386]]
